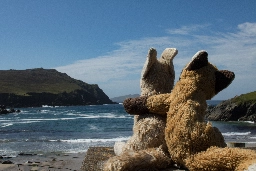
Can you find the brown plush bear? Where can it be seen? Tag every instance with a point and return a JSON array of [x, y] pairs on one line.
[[192, 142], [147, 147]]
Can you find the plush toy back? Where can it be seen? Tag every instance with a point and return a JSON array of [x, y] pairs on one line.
[[186, 131]]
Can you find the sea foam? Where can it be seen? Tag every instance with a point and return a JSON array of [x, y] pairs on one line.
[[236, 133]]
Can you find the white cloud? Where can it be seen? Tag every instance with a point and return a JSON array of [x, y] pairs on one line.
[[185, 30], [248, 29], [118, 72]]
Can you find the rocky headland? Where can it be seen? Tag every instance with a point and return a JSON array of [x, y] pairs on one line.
[[37, 87], [239, 108]]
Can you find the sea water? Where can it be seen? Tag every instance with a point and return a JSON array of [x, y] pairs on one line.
[[76, 128]]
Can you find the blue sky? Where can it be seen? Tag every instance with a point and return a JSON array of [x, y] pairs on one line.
[[106, 42]]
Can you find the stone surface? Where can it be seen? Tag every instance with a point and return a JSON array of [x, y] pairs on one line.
[[231, 111]]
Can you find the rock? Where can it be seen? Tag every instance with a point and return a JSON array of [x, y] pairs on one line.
[[7, 162], [3, 110], [233, 109]]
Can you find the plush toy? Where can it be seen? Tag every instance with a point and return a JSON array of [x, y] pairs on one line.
[[193, 143], [147, 147]]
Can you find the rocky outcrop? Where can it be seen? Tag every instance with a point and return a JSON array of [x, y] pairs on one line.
[[3, 110], [240, 108]]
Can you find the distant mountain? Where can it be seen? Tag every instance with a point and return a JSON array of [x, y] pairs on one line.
[[37, 87], [120, 99]]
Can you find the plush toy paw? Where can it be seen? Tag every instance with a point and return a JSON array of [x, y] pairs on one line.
[[136, 106]]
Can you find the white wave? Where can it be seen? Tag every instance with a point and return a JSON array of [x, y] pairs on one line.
[[235, 133], [6, 124], [93, 127], [93, 116], [67, 118], [92, 140], [104, 116], [79, 114], [38, 119], [25, 122], [251, 122], [48, 119], [4, 120]]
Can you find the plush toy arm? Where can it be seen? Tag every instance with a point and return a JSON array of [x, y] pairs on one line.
[[136, 106], [157, 104]]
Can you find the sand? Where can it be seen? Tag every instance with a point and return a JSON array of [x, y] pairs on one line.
[[49, 162]]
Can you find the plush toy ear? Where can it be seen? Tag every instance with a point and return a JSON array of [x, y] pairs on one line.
[[199, 60], [223, 79]]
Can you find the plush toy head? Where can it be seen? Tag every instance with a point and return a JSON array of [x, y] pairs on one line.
[[158, 75], [205, 76]]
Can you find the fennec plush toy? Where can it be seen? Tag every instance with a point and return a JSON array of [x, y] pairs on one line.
[[191, 142], [147, 145]]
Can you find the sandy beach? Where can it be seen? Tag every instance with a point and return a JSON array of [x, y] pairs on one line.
[[49, 162], [92, 160]]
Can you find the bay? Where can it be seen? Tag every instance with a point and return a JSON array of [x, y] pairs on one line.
[[74, 129]]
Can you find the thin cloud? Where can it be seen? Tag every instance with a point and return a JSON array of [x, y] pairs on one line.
[[118, 72], [185, 30]]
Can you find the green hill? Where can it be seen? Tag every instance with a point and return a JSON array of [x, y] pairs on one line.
[[245, 98], [36, 87]]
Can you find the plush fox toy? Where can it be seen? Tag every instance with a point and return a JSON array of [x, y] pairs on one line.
[[193, 143]]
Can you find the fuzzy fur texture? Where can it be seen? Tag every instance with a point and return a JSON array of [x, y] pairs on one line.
[[158, 75], [222, 159], [143, 160], [191, 141], [186, 131], [147, 147]]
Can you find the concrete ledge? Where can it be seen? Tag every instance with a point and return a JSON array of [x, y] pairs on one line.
[[235, 144]]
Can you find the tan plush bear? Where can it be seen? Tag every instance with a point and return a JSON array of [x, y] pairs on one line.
[[147, 147], [191, 142]]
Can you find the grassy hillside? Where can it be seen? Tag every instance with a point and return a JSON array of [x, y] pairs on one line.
[[37, 87], [20, 82], [244, 98]]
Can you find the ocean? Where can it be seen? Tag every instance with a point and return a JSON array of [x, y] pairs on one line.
[[74, 129]]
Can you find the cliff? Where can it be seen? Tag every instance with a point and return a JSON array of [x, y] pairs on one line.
[[37, 87], [239, 108]]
